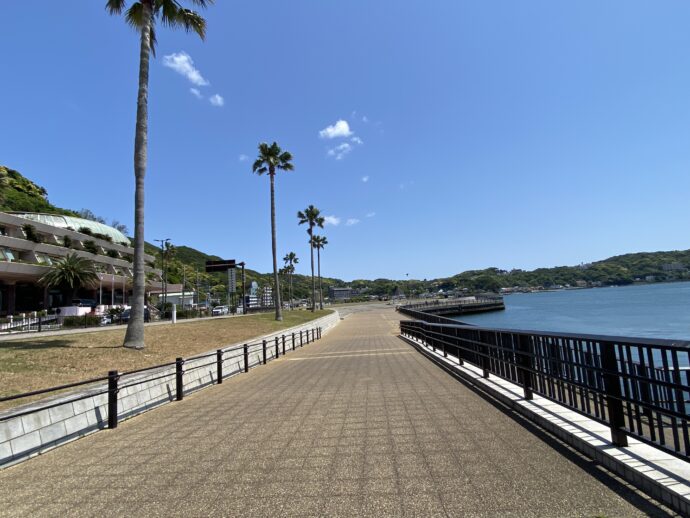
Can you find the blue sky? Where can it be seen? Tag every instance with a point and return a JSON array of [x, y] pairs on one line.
[[490, 133]]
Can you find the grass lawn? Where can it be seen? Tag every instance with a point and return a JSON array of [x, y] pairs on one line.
[[37, 363]]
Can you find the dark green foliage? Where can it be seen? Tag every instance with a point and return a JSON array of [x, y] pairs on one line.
[[113, 254], [66, 241], [19, 194], [31, 234], [85, 230], [104, 237], [90, 246], [83, 321]]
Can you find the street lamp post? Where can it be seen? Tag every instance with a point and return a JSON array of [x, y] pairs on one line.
[[164, 292]]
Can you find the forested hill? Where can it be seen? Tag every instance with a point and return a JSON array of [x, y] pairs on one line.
[[18, 193]]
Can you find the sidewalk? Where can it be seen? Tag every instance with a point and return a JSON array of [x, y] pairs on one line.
[[356, 424]]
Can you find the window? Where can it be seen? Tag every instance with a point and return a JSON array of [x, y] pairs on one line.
[[7, 255], [44, 259]]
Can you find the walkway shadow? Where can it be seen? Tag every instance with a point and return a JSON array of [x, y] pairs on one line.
[[628, 492]]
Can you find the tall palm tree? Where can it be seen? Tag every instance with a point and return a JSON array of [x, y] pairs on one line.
[[319, 242], [71, 272], [290, 261], [142, 16], [312, 217], [272, 158]]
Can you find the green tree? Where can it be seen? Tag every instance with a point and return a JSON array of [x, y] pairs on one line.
[[312, 217], [272, 158], [70, 273], [290, 261], [142, 16], [319, 242]]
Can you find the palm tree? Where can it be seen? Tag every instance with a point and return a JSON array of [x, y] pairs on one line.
[[142, 16], [319, 242], [290, 261], [270, 159], [312, 217], [71, 272]]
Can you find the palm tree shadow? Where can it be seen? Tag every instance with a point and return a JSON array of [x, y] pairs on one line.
[[34, 345]]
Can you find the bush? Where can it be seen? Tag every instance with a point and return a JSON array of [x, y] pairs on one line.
[[90, 246], [86, 230], [30, 232], [83, 321], [113, 254], [66, 241]]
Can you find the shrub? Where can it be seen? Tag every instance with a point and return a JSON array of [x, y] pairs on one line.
[[30, 232], [90, 246], [113, 254], [66, 241], [86, 230], [83, 321]]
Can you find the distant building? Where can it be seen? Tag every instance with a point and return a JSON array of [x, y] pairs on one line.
[[30, 243], [267, 297], [673, 267], [339, 293]]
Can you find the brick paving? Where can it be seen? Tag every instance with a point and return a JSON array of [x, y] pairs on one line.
[[357, 424]]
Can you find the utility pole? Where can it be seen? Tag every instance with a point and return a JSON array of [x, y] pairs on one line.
[[244, 290], [184, 281]]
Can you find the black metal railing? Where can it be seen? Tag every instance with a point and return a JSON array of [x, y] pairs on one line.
[[117, 381], [638, 387], [466, 301]]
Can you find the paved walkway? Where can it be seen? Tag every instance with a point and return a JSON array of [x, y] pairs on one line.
[[355, 424]]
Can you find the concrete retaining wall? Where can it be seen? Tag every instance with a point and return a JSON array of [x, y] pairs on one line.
[[22, 437]]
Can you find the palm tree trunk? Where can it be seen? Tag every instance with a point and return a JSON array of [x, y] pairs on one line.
[[276, 281], [290, 287], [134, 337], [313, 281], [318, 252]]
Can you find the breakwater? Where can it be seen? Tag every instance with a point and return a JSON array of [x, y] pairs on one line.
[[454, 307]]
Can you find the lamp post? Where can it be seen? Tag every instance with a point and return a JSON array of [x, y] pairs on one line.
[[165, 243]]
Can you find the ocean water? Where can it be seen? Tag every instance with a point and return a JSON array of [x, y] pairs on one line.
[[650, 310]]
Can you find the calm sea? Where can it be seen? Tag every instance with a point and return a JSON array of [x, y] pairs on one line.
[[652, 310]]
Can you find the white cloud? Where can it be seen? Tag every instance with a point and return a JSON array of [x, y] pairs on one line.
[[340, 129], [216, 100], [182, 63], [365, 119], [371, 214], [340, 151], [243, 157], [195, 92], [351, 221], [332, 220], [357, 140], [365, 179]]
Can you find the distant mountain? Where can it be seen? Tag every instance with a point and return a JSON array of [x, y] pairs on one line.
[[18, 193]]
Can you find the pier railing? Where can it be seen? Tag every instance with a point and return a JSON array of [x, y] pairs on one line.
[[638, 387]]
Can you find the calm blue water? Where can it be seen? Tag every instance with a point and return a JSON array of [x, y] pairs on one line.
[[653, 310]]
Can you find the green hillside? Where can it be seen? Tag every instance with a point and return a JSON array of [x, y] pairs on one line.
[[18, 193]]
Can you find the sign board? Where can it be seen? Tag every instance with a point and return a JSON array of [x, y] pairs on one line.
[[220, 266], [232, 280]]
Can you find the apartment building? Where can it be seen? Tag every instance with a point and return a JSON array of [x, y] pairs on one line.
[[30, 243]]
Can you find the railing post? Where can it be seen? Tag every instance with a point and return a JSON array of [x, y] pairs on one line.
[[300, 338], [612, 387], [246, 358], [484, 351], [293, 341], [264, 352], [179, 387], [219, 365], [113, 378], [40, 322], [306, 332], [277, 349], [525, 362], [283, 345]]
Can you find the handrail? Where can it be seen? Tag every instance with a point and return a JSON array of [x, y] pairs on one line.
[[636, 386]]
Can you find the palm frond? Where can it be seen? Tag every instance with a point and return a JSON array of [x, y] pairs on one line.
[[135, 15], [115, 6], [191, 21]]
